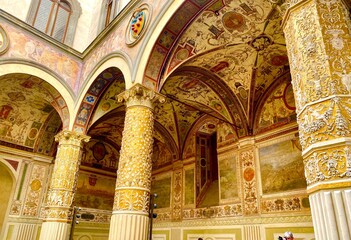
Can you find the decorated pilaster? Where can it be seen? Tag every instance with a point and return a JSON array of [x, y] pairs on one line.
[[177, 192], [58, 210], [319, 46], [130, 216]]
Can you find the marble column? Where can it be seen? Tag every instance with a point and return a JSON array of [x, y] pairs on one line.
[[130, 216], [58, 208], [318, 41]]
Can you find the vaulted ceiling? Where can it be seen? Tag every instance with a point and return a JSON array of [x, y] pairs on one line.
[[217, 62]]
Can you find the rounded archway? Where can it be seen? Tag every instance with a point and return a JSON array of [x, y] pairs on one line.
[[7, 184]]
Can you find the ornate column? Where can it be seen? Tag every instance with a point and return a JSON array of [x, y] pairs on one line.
[[130, 216], [58, 210], [319, 46]]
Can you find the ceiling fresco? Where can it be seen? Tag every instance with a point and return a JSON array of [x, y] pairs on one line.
[[221, 62], [30, 113], [215, 62]]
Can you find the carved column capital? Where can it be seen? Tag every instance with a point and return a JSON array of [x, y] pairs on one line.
[[69, 137], [139, 95]]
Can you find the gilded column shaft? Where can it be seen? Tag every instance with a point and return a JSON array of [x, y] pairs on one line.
[[130, 217], [134, 171], [64, 176], [319, 47]]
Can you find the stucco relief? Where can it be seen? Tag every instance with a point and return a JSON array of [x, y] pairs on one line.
[[328, 164], [134, 174], [177, 197], [321, 70], [64, 180], [248, 172], [35, 190]]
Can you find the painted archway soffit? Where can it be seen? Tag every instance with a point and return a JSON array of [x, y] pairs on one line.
[[100, 99]]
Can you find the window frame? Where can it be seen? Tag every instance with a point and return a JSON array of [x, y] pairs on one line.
[[72, 20]]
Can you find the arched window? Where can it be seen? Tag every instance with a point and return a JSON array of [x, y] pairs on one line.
[[57, 18], [108, 13]]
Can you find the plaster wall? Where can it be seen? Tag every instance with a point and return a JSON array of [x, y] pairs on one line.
[[18, 8]]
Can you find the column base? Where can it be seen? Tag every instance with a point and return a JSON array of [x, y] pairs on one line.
[[55, 230], [331, 214], [129, 227]]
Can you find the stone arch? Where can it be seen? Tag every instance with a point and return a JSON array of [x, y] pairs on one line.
[[8, 181], [54, 83], [151, 38], [117, 66]]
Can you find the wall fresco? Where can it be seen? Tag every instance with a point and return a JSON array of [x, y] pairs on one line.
[[228, 177], [161, 155], [94, 191], [282, 167], [101, 155], [162, 187], [279, 108], [25, 107], [30, 48], [189, 188]]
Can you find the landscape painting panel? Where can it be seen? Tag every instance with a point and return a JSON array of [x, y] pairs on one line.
[[282, 167]]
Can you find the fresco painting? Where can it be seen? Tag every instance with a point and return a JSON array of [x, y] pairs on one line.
[[189, 187], [100, 155], [95, 192], [162, 187], [32, 49], [282, 167], [189, 150], [225, 134], [108, 101], [228, 177], [278, 109], [161, 156], [46, 141], [22, 114]]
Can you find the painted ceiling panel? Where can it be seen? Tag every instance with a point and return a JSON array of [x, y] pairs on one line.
[[25, 107], [164, 114], [108, 102], [192, 92]]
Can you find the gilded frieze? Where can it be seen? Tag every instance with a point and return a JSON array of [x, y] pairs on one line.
[[228, 210], [285, 204]]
